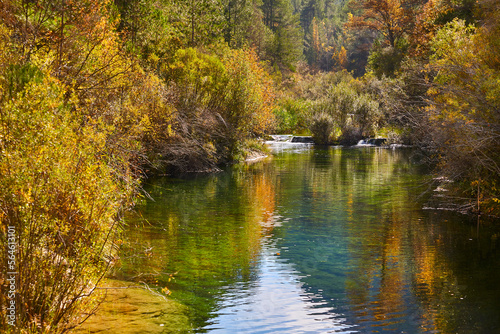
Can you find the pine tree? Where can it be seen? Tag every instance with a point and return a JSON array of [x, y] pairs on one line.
[[286, 46]]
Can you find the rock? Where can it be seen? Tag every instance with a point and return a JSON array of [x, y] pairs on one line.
[[377, 141], [372, 141], [302, 139]]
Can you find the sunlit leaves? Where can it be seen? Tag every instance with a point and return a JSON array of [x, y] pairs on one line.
[[61, 195], [426, 25], [252, 88], [465, 105], [391, 18], [220, 99]]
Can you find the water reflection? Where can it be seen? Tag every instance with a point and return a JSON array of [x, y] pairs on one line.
[[275, 303], [356, 252]]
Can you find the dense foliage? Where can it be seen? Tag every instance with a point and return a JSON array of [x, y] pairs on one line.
[[426, 74], [94, 94], [89, 103]]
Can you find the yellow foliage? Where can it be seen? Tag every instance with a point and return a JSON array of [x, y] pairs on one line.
[[464, 100]]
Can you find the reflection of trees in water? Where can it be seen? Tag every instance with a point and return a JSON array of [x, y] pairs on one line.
[[377, 249], [347, 220], [207, 230]]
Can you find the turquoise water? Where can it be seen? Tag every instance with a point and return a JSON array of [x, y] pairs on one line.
[[316, 240]]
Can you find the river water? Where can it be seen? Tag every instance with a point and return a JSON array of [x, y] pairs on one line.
[[315, 240]]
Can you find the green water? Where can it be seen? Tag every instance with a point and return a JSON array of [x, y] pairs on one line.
[[315, 240]]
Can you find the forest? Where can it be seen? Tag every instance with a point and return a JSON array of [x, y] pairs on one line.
[[97, 95]]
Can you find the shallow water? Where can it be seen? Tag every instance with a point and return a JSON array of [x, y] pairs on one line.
[[315, 240]]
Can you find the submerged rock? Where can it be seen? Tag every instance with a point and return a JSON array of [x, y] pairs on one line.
[[131, 309]]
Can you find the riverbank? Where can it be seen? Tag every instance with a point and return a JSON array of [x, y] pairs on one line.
[[129, 308]]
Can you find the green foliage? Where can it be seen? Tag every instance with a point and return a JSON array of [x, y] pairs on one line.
[[322, 126], [291, 115], [219, 101], [156, 29], [285, 47], [366, 115], [385, 61], [458, 9], [243, 23], [353, 111], [249, 94], [200, 73], [202, 20], [19, 75], [152, 32], [324, 41]]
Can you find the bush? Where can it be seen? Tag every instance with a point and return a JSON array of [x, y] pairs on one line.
[[463, 113], [385, 61], [322, 126], [220, 100], [61, 198], [350, 136], [366, 115], [355, 112], [291, 116]]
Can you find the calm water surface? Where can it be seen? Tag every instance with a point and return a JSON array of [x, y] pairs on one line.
[[316, 240]]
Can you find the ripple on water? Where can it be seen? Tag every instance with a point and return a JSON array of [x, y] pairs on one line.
[[275, 303]]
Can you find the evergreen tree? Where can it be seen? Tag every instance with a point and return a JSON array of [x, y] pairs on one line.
[[286, 46]]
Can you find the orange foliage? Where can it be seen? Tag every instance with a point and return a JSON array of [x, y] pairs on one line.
[[426, 27], [391, 18]]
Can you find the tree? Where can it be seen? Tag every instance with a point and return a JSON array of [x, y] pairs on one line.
[[341, 58], [390, 18], [426, 25], [70, 130], [150, 30], [220, 101], [60, 196], [237, 19], [286, 46], [323, 35], [258, 35], [464, 108]]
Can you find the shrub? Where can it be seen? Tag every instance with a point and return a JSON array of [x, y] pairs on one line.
[[385, 61], [291, 115], [219, 101], [366, 115], [465, 104], [322, 126], [61, 197], [350, 136]]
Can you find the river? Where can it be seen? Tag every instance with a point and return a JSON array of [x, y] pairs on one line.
[[311, 240]]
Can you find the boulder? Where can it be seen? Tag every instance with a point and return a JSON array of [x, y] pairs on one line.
[[302, 139], [377, 141]]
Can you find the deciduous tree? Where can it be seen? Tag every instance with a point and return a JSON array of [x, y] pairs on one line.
[[464, 107], [390, 18]]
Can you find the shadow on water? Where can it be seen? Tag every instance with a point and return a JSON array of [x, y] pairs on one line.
[[315, 240]]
